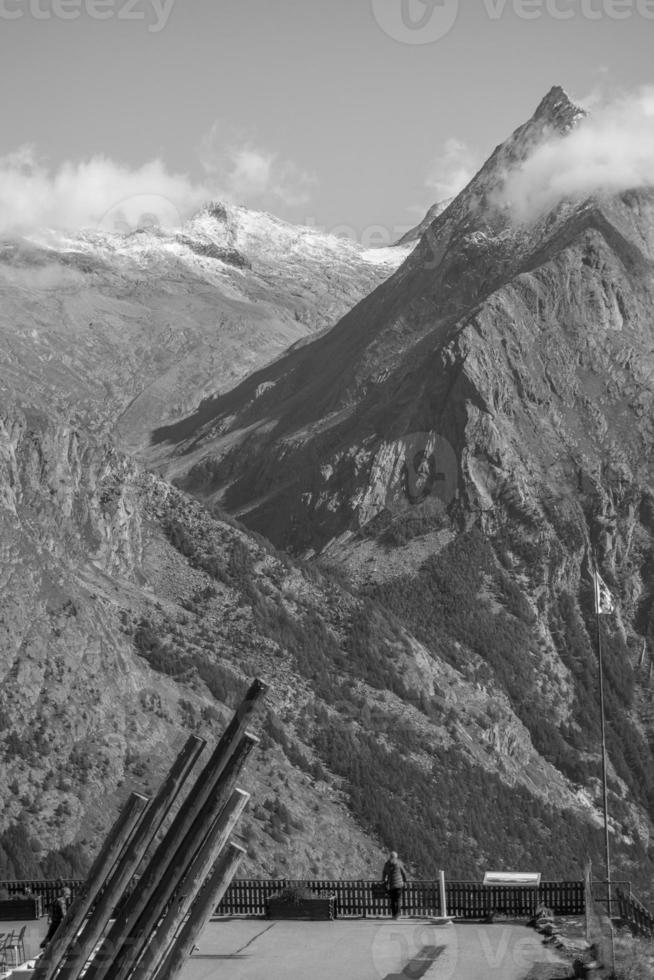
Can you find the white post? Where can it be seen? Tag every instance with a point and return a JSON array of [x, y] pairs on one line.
[[443, 897]]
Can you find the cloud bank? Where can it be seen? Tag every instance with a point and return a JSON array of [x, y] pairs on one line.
[[100, 194], [95, 194], [610, 150], [251, 173]]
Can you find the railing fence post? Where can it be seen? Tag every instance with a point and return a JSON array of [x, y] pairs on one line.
[[443, 895]]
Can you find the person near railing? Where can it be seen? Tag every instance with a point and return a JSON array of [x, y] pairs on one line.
[[57, 912], [394, 878]]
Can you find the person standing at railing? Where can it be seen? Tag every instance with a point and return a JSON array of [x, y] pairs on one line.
[[57, 912], [394, 878]]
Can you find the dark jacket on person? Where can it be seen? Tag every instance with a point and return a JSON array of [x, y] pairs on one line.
[[58, 910], [394, 875]]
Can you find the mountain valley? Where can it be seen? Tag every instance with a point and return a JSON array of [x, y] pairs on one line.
[[378, 481]]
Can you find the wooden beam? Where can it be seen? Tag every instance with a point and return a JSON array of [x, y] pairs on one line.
[[190, 885], [201, 911], [79, 949], [113, 847], [204, 787], [131, 931]]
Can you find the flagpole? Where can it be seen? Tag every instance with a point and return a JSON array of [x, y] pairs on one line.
[[598, 609], [607, 849]]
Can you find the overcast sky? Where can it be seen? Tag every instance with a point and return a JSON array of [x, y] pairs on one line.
[[333, 112]]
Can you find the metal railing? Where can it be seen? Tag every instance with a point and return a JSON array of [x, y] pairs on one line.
[[361, 897]]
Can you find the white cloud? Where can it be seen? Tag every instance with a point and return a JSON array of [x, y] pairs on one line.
[[251, 174], [610, 150], [101, 194], [451, 170], [292, 185], [91, 194]]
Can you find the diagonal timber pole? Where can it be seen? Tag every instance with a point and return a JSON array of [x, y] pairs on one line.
[[131, 932], [201, 910], [205, 785], [119, 835], [190, 885], [170, 879], [80, 949]]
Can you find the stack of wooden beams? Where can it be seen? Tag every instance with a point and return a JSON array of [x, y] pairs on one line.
[[144, 904]]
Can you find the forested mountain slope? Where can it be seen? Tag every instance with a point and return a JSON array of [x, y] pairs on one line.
[[131, 616]]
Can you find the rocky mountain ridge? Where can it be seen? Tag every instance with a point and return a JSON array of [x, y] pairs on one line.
[[120, 331], [469, 253]]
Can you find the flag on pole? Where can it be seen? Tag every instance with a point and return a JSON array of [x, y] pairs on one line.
[[603, 599]]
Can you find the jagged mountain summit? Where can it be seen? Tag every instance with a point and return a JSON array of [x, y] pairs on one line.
[[121, 330], [467, 339], [556, 115]]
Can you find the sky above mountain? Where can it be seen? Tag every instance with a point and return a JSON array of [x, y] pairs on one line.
[[353, 116]]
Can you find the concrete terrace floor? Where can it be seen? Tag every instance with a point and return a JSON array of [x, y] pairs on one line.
[[367, 949], [34, 932], [353, 949]]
